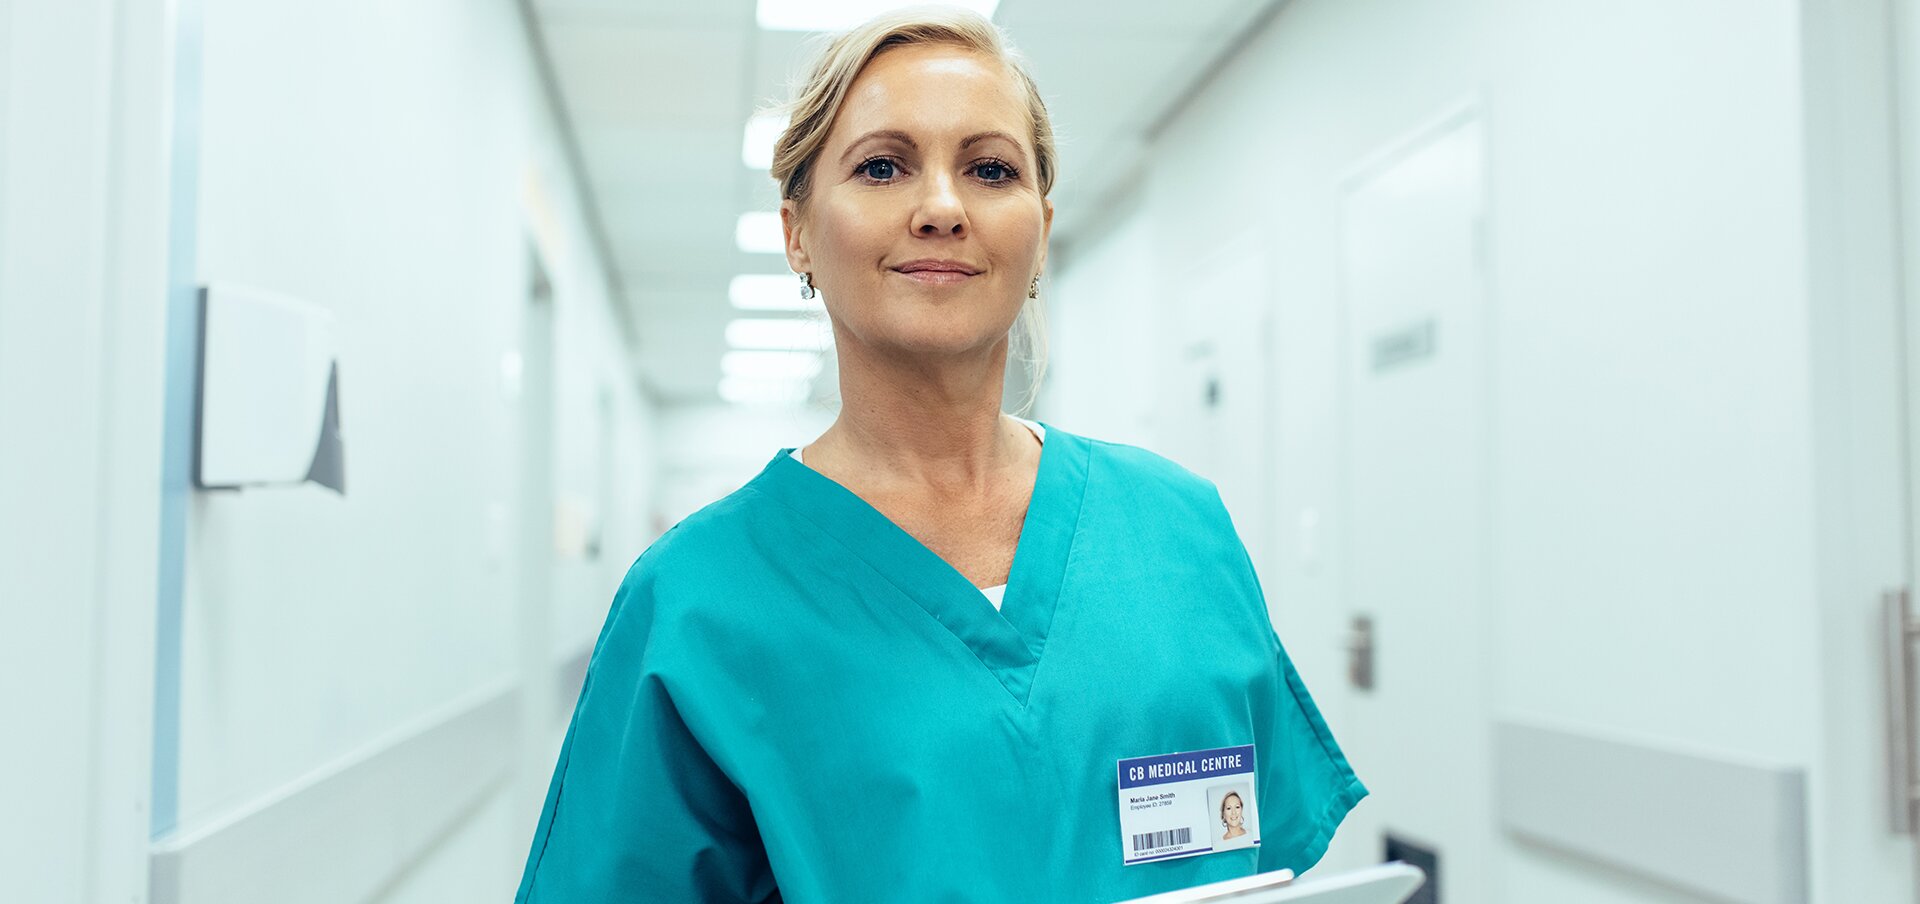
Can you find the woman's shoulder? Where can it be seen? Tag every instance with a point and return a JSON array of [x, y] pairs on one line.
[[1143, 462], [711, 536], [697, 562], [1143, 470]]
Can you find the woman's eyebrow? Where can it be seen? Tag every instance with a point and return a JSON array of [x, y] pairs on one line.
[[904, 138], [894, 134], [983, 136]]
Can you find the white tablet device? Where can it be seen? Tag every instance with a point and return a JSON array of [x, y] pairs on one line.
[[1388, 883]]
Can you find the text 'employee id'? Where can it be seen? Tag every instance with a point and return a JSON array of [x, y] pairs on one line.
[[1184, 804]]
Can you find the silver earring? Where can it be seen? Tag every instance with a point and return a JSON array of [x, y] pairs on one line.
[[1033, 288], [806, 285]]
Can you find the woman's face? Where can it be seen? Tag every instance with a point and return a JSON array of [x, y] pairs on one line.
[[924, 221], [1231, 807]]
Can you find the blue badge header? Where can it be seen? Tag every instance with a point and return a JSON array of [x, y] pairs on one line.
[[1186, 767]]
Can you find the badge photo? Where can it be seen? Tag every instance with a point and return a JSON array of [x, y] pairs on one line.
[[1232, 804]]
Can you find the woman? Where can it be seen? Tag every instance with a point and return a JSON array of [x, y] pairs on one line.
[[802, 691], [1232, 820]]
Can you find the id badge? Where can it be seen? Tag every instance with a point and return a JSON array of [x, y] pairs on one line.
[[1186, 804]]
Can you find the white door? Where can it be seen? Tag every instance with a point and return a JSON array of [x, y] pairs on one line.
[[1881, 864], [1873, 858], [1216, 418], [83, 282], [1415, 495]]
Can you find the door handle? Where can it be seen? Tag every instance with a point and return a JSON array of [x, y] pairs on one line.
[[1903, 784], [1360, 653]]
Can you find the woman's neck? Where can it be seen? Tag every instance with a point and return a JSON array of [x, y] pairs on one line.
[[937, 426]]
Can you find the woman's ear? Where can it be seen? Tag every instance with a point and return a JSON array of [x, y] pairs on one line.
[[790, 221]]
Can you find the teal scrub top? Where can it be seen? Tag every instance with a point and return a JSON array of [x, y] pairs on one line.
[[794, 700]]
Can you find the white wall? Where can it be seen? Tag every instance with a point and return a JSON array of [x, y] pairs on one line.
[[606, 468], [1101, 337], [396, 164], [1654, 569], [82, 289]]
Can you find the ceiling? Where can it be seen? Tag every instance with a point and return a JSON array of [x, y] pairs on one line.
[[658, 94]]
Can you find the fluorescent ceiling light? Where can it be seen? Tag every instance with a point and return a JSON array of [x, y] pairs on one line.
[[839, 15], [751, 391], [779, 333], [766, 292], [759, 232], [771, 365], [763, 130]]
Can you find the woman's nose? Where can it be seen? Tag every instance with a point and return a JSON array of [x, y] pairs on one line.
[[941, 211]]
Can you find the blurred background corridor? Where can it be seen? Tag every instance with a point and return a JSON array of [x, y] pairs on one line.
[[1558, 360]]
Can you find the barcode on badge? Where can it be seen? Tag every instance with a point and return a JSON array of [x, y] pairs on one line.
[[1147, 841]]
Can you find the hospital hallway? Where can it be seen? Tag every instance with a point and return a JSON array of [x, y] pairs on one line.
[[1558, 363]]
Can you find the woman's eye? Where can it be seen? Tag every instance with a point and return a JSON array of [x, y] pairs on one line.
[[993, 172], [879, 169]]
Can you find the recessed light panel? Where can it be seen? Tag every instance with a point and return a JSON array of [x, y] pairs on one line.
[[788, 333], [754, 391], [759, 232], [771, 365], [767, 292], [763, 130]]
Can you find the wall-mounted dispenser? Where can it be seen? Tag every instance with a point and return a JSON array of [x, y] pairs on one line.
[[269, 404]]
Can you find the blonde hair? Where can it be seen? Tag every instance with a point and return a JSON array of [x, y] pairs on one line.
[[817, 98]]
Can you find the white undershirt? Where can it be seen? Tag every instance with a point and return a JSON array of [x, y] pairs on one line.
[[998, 592]]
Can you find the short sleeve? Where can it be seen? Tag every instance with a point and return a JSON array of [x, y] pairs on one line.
[[1306, 785], [637, 810]]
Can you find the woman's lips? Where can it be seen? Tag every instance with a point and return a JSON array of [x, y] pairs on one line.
[[932, 271], [936, 277]]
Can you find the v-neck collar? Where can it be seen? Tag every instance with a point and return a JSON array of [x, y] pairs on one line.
[[1008, 641]]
